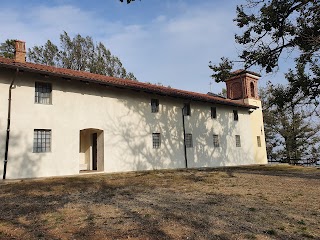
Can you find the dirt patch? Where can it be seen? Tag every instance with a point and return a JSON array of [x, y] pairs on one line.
[[271, 202]]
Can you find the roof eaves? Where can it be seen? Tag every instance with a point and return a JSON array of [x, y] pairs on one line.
[[243, 71], [128, 85]]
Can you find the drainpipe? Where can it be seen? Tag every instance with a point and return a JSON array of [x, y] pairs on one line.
[[184, 138], [8, 127]]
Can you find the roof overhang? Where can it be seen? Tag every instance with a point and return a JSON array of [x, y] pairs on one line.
[[124, 84]]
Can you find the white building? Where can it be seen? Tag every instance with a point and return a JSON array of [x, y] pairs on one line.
[[62, 122]]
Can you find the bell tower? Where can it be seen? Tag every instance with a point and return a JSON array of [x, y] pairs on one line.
[[243, 87]]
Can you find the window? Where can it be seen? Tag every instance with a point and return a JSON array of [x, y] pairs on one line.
[[156, 140], [213, 112], [154, 105], [259, 141], [189, 140], [42, 140], [186, 109], [43, 93], [235, 115], [252, 89], [238, 142], [215, 140]]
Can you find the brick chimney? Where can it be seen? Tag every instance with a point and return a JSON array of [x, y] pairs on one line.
[[243, 85], [20, 52]]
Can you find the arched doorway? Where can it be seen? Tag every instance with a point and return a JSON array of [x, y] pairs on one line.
[[91, 150]]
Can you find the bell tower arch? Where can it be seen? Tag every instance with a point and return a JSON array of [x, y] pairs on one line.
[[243, 85]]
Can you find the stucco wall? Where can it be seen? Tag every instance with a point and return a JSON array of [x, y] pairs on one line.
[[257, 128], [127, 123]]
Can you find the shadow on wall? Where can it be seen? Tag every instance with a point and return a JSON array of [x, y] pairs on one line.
[[132, 134], [20, 164], [203, 153], [128, 133]]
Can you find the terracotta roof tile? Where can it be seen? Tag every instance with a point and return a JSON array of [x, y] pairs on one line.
[[118, 82], [241, 71]]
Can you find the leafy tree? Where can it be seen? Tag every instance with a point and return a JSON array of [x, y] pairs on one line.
[[223, 93], [79, 53], [274, 28], [47, 54], [7, 49], [291, 127]]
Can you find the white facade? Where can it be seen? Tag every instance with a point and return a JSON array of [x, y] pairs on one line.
[[98, 123], [124, 125]]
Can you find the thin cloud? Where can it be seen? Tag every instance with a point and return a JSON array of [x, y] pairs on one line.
[[176, 51], [174, 48]]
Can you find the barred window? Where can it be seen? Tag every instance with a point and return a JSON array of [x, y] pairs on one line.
[[238, 142], [259, 141], [156, 140], [235, 115], [42, 140], [213, 112], [189, 140], [154, 105], [186, 109], [43, 92], [216, 140]]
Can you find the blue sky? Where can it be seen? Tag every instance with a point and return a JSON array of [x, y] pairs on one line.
[[160, 41]]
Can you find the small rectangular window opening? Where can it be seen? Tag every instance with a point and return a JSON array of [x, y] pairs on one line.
[[259, 141], [213, 112], [154, 105], [216, 140], [235, 115], [238, 142], [186, 109], [188, 140], [156, 140]]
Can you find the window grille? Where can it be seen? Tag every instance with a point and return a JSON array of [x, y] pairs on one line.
[[188, 140], [42, 140], [156, 140], [216, 140], [238, 142], [43, 92]]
